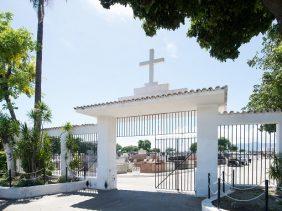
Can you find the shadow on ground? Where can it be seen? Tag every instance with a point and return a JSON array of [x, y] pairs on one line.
[[118, 200], [4, 203]]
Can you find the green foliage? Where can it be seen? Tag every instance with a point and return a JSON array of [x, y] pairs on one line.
[[193, 148], [67, 127], [267, 95], [118, 149], [85, 146], [26, 183], [129, 149], [156, 150], [223, 146], [34, 152], [72, 143], [75, 162], [275, 170], [170, 151], [233, 148], [17, 70], [42, 112], [3, 164], [8, 129], [35, 149], [220, 27], [62, 179], [55, 145], [145, 145]]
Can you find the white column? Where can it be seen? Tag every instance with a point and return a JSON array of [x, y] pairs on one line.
[[206, 147], [106, 169], [63, 155]]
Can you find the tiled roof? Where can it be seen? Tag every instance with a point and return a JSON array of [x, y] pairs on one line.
[[59, 127], [143, 98]]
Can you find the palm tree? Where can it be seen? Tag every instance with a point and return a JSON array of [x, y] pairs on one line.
[[39, 5]]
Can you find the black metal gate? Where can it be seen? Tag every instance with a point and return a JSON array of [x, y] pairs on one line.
[[87, 154], [175, 163], [174, 156]]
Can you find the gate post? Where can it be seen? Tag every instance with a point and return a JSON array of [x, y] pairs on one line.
[[63, 155], [207, 148], [106, 169]]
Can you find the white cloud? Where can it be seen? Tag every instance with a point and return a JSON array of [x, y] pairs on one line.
[[171, 49], [116, 12]]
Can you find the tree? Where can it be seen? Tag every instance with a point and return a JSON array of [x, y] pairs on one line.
[[118, 149], [16, 63], [220, 27], [55, 145], [144, 144], [40, 7], [170, 151], [129, 149], [223, 145], [193, 148], [16, 74], [267, 95], [233, 148], [156, 150], [35, 149]]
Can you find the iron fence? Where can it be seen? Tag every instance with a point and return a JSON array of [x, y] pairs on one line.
[[249, 151], [182, 122]]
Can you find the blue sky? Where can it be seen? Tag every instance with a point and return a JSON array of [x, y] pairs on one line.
[[92, 55]]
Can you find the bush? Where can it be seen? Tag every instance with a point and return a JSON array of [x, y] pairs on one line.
[[26, 183], [62, 179], [3, 163], [4, 182]]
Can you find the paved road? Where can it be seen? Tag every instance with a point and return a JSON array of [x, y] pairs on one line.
[[116, 200]]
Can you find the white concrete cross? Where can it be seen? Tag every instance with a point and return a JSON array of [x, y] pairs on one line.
[[151, 63]]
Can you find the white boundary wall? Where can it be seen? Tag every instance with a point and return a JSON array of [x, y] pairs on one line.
[[40, 190]]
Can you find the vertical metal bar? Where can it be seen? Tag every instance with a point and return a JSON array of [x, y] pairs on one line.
[[270, 151], [257, 154], [233, 178], [266, 195], [66, 173], [265, 153], [209, 185], [261, 154], [223, 182], [84, 172], [244, 154], [10, 178], [248, 154], [218, 193], [253, 139]]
